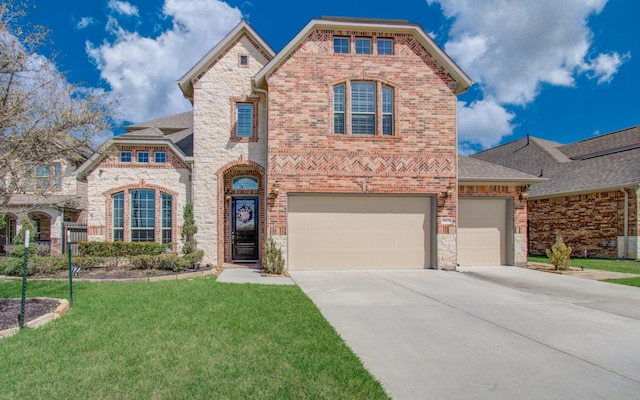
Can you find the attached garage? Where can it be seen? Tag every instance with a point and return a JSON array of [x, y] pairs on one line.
[[359, 232], [485, 229]]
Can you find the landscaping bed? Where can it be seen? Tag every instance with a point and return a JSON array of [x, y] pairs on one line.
[[33, 308]]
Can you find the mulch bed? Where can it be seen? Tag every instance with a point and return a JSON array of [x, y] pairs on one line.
[[33, 308]]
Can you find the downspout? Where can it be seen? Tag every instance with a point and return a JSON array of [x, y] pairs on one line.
[[266, 186], [625, 245]]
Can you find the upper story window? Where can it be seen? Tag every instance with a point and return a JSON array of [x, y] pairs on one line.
[[160, 157], [363, 108], [244, 120], [369, 111], [385, 46], [143, 156], [363, 45], [44, 177], [387, 111], [125, 156], [341, 45], [338, 109]]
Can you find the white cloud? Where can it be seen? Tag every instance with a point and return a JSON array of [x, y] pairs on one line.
[[512, 47], [142, 71], [85, 22], [483, 123], [605, 66], [123, 7]]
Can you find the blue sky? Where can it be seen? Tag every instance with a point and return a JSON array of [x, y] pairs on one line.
[[559, 70]]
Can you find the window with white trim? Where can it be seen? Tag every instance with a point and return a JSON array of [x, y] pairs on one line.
[[160, 157], [387, 111], [143, 156], [363, 45], [167, 217], [143, 215], [338, 109], [118, 216], [385, 46], [341, 45]]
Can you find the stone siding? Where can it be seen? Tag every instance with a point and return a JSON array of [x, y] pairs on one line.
[[591, 222], [216, 148], [110, 176]]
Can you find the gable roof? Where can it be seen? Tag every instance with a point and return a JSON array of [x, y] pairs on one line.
[[603, 163], [391, 26], [176, 131], [186, 82], [471, 170]]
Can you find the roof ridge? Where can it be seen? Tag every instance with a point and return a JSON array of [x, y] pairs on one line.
[[552, 149]]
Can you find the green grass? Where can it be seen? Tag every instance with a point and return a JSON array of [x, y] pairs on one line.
[[625, 281], [186, 339], [628, 266]]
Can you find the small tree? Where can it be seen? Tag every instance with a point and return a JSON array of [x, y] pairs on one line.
[[26, 224], [189, 229], [273, 263], [559, 254]]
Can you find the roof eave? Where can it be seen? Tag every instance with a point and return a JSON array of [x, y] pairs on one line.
[[507, 181], [632, 186], [463, 80]]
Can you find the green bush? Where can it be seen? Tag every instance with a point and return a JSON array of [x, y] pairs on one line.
[[17, 251], [559, 254], [194, 257], [143, 262], [51, 264], [120, 249], [13, 267], [87, 262], [273, 262]]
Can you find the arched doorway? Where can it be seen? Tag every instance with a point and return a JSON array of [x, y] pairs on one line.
[[243, 219]]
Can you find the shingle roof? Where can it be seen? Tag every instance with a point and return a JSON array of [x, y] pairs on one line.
[[474, 170], [604, 162], [177, 128]]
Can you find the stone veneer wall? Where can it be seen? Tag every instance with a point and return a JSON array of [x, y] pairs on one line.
[[215, 148], [591, 222], [110, 176], [519, 213], [305, 155]]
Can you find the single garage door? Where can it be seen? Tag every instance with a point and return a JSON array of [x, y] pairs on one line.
[[358, 232], [482, 232]]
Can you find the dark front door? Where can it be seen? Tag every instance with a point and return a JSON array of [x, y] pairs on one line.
[[244, 229]]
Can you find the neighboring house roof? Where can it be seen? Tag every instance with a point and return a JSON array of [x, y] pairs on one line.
[[186, 82], [176, 131], [605, 162], [471, 170], [463, 80], [48, 200]]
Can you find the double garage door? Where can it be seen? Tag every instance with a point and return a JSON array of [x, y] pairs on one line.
[[359, 232]]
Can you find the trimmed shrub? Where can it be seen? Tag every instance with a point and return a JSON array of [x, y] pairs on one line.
[[143, 262], [87, 262], [194, 257], [51, 264], [13, 267], [18, 251], [559, 254], [120, 249], [273, 262]]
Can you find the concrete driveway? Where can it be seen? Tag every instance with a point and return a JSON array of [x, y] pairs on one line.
[[486, 332]]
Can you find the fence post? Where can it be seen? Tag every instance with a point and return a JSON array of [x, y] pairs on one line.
[[70, 270], [24, 279]]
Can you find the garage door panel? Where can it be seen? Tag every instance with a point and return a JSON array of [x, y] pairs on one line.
[[482, 231], [358, 232]]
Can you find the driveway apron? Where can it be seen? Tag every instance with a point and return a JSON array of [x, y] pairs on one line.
[[485, 332]]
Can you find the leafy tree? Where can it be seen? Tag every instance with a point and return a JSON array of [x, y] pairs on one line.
[[43, 117], [189, 229], [26, 224], [559, 254]]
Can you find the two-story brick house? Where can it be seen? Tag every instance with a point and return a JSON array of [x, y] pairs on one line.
[[342, 147]]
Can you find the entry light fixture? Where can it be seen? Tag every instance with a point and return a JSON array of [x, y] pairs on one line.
[[227, 194], [524, 194], [447, 194], [275, 191]]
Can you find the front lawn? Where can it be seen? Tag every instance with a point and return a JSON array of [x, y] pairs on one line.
[[625, 281], [181, 339], [628, 266]]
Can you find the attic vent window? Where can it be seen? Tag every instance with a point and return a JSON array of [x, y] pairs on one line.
[[244, 61]]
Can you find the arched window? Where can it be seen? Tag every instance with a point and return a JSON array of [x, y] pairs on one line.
[[244, 183], [137, 215]]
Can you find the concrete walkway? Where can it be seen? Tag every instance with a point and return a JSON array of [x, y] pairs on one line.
[[251, 275], [486, 332]]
